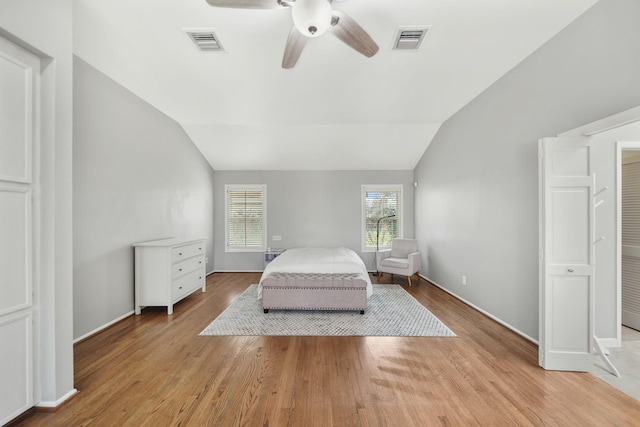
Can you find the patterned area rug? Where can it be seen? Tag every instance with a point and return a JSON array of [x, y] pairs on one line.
[[392, 312]]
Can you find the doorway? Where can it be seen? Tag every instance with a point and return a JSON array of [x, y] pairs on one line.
[[603, 149], [629, 236]]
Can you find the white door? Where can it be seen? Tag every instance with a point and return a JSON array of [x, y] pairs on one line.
[[19, 72], [566, 255]]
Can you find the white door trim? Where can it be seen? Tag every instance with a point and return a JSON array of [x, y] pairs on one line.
[[620, 147], [608, 123]]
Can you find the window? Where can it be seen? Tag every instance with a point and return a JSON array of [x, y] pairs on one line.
[[246, 218], [378, 202]]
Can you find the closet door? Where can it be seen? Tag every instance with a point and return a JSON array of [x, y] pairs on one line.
[[19, 71], [566, 255], [631, 244]]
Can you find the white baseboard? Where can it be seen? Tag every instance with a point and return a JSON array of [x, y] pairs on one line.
[[105, 326], [489, 315], [49, 404], [609, 342]]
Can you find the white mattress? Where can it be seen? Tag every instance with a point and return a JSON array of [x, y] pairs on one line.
[[318, 260]]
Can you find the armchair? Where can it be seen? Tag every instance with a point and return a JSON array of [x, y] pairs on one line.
[[403, 259]]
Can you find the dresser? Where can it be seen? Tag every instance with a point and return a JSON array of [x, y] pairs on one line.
[[167, 271]]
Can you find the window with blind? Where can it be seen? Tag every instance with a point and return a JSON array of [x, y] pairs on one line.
[[246, 218], [381, 215]]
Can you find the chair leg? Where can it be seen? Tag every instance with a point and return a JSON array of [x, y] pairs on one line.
[[379, 276], [409, 280]]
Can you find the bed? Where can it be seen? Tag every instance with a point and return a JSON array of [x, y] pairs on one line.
[[315, 279]]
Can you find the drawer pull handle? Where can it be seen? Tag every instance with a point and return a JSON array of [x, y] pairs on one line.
[[200, 277], [570, 270], [180, 253], [180, 287], [199, 249], [199, 262], [179, 269]]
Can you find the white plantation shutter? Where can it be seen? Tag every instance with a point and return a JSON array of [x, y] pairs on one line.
[[631, 204], [378, 202], [631, 244], [246, 218]]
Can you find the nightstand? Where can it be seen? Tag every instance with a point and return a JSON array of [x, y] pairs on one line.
[[271, 254]]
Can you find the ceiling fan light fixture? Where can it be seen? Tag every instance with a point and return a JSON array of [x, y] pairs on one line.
[[312, 17]]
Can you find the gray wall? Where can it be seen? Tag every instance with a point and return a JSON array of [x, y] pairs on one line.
[[137, 176], [310, 208], [477, 199]]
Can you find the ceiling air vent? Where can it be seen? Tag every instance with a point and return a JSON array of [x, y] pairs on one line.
[[410, 38], [205, 40]]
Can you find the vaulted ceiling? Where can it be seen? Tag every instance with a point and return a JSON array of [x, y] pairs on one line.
[[336, 109]]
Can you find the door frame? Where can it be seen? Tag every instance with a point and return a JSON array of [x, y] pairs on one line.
[[620, 147], [599, 126]]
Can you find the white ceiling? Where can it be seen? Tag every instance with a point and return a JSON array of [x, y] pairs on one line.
[[336, 110]]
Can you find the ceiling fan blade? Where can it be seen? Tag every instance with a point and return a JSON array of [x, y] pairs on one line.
[[293, 49], [247, 4], [352, 34]]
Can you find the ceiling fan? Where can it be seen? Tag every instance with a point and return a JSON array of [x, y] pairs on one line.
[[311, 18]]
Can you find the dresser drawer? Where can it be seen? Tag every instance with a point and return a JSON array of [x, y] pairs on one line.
[[187, 266], [183, 252], [188, 283]]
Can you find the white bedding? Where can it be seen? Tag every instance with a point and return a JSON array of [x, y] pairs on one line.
[[317, 260]]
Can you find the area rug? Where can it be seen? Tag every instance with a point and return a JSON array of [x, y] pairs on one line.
[[392, 311]]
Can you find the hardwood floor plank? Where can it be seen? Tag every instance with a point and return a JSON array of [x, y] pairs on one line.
[[154, 370]]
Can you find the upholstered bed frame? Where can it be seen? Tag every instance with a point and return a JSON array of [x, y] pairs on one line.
[[314, 291], [315, 279]]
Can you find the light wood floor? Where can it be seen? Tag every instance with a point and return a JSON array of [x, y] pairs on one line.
[[154, 370]]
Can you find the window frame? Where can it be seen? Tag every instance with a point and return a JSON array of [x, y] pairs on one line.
[[363, 213], [240, 187]]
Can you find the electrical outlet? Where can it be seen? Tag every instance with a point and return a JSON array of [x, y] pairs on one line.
[[464, 280], [276, 238]]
